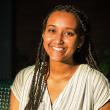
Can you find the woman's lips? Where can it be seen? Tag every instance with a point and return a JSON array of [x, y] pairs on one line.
[[58, 48]]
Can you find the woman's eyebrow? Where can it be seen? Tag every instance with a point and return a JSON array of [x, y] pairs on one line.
[[51, 25], [65, 27]]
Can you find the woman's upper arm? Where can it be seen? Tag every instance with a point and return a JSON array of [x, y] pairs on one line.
[[106, 106], [101, 93], [14, 103], [16, 89]]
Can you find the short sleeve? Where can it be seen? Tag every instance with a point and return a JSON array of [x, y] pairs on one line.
[[17, 84], [20, 80], [101, 90]]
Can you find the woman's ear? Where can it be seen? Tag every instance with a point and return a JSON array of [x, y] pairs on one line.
[[81, 41], [42, 35]]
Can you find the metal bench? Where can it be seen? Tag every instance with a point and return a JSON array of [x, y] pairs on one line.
[[4, 94]]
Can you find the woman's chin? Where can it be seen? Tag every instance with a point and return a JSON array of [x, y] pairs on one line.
[[56, 59]]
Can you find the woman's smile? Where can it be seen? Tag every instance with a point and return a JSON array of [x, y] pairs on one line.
[[59, 49]]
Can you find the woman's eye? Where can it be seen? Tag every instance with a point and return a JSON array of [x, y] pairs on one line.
[[69, 33], [52, 30]]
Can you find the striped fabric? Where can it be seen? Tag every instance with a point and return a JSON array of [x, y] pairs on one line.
[[88, 89]]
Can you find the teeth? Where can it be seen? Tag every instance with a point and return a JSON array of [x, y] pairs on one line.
[[57, 49]]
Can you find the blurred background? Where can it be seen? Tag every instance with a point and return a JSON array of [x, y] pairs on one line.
[[20, 30]]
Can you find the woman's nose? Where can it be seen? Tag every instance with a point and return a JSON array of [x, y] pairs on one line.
[[60, 39]]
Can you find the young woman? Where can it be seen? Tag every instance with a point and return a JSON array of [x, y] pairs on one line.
[[64, 76]]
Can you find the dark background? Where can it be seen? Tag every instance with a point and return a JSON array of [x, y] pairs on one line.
[[20, 29]]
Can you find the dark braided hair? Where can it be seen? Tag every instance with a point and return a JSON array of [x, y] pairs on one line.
[[85, 54]]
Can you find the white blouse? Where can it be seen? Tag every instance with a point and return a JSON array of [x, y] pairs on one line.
[[87, 89]]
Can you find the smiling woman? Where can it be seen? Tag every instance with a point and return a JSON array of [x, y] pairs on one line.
[[60, 38], [65, 76]]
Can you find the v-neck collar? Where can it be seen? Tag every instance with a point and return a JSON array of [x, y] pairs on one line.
[[63, 93]]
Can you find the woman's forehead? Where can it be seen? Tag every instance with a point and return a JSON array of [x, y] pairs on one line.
[[62, 17]]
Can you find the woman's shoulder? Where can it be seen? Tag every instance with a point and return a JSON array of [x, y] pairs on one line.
[[94, 75], [88, 69], [26, 72], [22, 79], [28, 68]]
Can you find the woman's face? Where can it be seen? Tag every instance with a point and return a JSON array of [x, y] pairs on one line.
[[59, 37]]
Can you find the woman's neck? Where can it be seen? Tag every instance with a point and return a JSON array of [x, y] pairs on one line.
[[60, 70]]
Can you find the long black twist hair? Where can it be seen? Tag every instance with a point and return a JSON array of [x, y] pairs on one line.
[[85, 55]]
